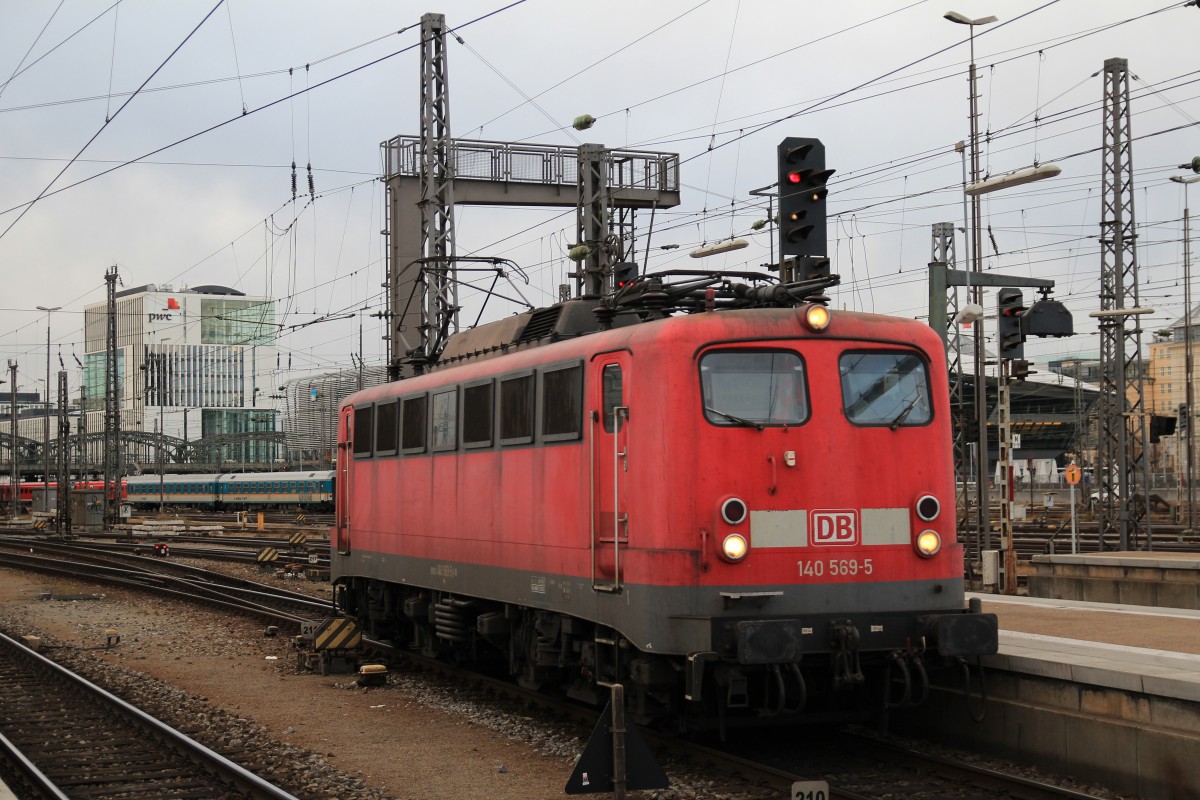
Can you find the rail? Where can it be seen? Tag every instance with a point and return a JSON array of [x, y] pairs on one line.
[[66, 701]]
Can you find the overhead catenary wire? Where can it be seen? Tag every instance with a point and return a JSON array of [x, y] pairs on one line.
[[108, 121], [223, 123], [112, 63], [863, 215], [18, 69]]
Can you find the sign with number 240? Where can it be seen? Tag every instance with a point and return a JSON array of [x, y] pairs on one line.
[[810, 790]]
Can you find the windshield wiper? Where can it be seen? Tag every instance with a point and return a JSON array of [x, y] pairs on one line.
[[903, 415], [732, 418]]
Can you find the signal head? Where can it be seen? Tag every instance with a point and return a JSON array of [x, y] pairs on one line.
[[802, 193]]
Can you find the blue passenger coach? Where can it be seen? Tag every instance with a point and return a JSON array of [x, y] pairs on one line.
[[233, 490]]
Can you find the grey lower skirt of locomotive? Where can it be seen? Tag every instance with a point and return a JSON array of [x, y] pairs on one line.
[[833, 665], [312, 489], [760, 670]]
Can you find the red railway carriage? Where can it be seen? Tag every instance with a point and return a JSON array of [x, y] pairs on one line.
[[25, 489], [739, 511]]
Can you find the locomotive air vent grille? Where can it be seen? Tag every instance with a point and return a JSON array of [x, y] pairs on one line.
[[541, 323]]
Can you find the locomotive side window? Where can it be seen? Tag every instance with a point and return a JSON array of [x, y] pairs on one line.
[[885, 388], [754, 388], [516, 409], [362, 431], [477, 415], [412, 437], [385, 428], [614, 395], [562, 403], [445, 420]]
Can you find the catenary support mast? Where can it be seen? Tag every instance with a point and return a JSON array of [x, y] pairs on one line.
[[1121, 452]]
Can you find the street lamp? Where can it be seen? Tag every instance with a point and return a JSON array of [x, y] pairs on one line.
[[975, 254], [1189, 435], [46, 419]]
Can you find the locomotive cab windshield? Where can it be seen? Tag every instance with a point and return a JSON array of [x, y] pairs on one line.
[[754, 388], [885, 389]]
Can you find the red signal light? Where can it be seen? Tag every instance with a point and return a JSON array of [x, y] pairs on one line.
[[795, 177]]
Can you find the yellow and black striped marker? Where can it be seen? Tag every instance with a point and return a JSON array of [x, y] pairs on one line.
[[268, 555], [337, 634], [297, 538], [39, 524]]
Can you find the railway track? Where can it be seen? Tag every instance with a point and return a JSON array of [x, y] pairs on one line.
[[164, 576], [314, 554], [64, 737], [875, 770], [856, 766]]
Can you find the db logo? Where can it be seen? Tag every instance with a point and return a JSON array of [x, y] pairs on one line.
[[834, 527]]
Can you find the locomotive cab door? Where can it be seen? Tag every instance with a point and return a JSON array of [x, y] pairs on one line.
[[341, 499], [609, 420]]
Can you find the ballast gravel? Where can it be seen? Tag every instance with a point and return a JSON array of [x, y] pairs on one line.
[[218, 678]]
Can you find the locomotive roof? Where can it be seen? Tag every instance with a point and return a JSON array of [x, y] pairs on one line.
[[554, 323], [731, 325]]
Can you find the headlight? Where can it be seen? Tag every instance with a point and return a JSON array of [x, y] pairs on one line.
[[928, 543], [928, 508], [816, 317], [734, 547], [733, 511]]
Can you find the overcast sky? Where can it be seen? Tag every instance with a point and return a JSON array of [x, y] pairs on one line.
[[881, 83]]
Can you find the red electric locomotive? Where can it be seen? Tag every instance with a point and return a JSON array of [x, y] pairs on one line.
[[738, 514]]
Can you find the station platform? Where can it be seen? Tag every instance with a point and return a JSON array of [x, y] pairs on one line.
[[1140, 578], [1105, 692]]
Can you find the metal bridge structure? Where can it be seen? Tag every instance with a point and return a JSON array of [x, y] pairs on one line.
[[140, 452]]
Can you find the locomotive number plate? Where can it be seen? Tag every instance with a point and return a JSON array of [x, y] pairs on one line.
[[835, 567]]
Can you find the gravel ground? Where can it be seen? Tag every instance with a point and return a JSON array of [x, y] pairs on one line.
[[219, 679]]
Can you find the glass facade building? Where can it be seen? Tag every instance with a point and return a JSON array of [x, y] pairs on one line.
[[200, 362]]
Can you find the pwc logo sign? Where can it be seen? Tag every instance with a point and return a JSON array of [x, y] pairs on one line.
[[834, 528], [165, 314]]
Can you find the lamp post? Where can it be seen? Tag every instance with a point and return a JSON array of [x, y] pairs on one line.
[[975, 254], [1189, 435], [46, 418]]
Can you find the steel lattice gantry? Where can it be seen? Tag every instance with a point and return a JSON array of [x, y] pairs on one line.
[[426, 176], [1122, 422], [438, 289]]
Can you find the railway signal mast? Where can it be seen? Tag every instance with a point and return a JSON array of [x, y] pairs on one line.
[[1014, 322], [802, 216]]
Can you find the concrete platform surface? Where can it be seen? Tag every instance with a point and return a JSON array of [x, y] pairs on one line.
[[1154, 651], [1130, 558], [1175, 630], [1106, 692]]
